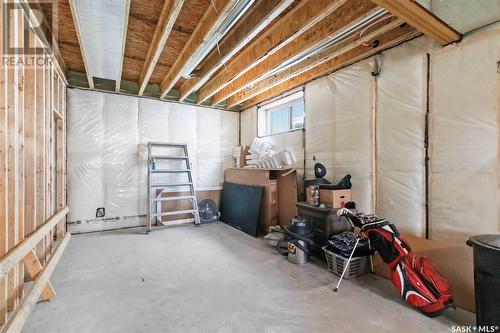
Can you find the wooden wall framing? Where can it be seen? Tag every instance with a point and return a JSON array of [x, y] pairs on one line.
[[32, 173]]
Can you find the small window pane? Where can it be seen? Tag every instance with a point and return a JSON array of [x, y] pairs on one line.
[[298, 116], [279, 121]]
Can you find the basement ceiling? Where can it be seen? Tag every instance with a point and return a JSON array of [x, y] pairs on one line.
[[166, 49]]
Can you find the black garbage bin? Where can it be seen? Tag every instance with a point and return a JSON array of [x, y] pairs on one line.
[[486, 250]]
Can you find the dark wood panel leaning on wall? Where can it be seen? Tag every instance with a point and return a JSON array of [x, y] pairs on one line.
[[32, 171]]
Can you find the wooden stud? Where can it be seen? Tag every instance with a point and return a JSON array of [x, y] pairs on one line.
[[322, 32], [259, 17], [60, 169], [12, 166], [309, 63], [3, 174], [40, 150], [302, 17], [169, 13], [21, 70], [30, 144], [421, 19], [209, 23], [388, 40]]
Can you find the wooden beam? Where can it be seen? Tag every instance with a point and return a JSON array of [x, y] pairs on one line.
[[347, 15], [169, 13], [360, 52], [298, 20], [3, 172], [261, 15], [125, 28], [72, 7], [18, 318], [33, 268], [22, 249], [216, 13], [309, 63], [421, 19]]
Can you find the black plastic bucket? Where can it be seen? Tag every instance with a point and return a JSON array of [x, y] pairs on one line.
[[487, 278]]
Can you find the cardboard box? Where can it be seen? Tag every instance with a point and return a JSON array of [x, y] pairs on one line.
[[334, 198]]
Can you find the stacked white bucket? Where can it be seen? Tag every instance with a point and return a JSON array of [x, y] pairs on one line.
[[263, 156]]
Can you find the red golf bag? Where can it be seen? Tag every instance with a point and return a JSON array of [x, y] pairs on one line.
[[415, 278]]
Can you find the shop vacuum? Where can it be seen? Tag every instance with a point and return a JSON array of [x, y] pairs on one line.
[[299, 237]]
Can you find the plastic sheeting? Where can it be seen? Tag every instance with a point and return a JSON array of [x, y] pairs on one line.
[[400, 136], [102, 25], [338, 129], [465, 97], [107, 152]]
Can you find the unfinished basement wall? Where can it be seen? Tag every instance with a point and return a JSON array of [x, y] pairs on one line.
[[32, 172], [107, 153], [376, 130]]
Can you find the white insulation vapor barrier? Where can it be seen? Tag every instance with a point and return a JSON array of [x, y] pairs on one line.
[[101, 25], [465, 98], [338, 127], [107, 153], [400, 136]]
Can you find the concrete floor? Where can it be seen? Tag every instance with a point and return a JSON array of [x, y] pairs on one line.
[[213, 278]]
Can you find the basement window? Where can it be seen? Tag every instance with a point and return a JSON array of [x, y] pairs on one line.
[[281, 116]]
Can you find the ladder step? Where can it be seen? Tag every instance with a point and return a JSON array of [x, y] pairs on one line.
[[161, 144], [170, 184], [167, 157], [176, 212], [176, 222], [170, 171], [186, 197]]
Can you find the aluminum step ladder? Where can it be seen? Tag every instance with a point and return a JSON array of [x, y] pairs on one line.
[[158, 189]]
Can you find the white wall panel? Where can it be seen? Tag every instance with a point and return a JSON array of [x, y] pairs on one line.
[[338, 124], [464, 113], [400, 135]]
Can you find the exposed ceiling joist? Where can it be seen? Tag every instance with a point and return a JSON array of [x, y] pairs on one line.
[[82, 48], [302, 17], [170, 11], [421, 19], [326, 30], [257, 19], [389, 39], [209, 23], [125, 28], [311, 62]]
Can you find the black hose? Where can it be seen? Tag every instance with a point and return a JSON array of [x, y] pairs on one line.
[[292, 235]]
